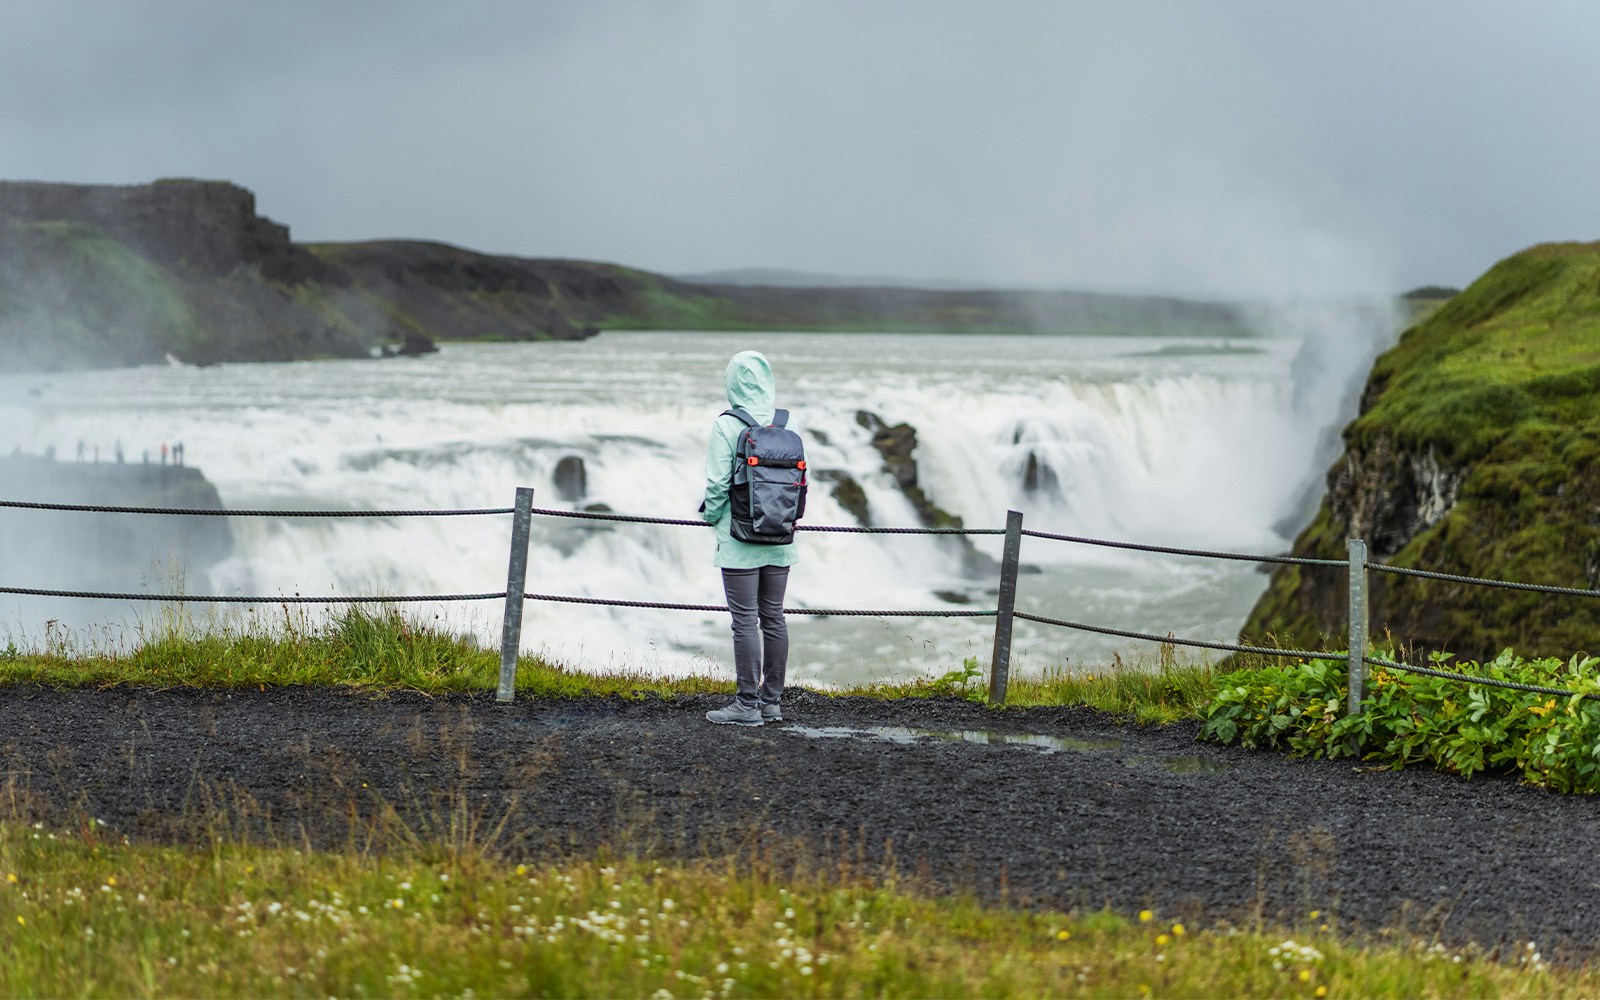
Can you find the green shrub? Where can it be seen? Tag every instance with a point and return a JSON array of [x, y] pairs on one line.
[[1409, 718]]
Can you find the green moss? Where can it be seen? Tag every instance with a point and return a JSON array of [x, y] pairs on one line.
[[75, 295], [1502, 386]]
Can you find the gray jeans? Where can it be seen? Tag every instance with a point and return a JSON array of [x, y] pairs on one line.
[[760, 634]]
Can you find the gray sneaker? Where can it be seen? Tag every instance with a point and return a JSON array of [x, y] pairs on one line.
[[771, 713], [736, 715]]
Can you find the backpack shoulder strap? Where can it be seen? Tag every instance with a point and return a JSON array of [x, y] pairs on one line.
[[739, 412], [780, 418]]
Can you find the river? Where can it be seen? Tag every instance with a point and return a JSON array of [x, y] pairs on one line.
[[1188, 442]]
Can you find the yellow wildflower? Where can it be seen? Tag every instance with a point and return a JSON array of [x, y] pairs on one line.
[[1145, 916], [1305, 975], [11, 877], [1178, 930], [1162, 939], [1062, 935]]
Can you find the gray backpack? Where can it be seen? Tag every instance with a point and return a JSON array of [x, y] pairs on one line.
[[767, 491]]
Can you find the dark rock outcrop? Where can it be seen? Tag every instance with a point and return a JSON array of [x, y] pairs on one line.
[[102, 551], [208, 228], [1038, 477], [571, 478], [95, 276], [852, 498], [898, 445], [450, 293]]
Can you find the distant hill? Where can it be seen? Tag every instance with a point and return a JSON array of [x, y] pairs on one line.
[[102, 276], [777, 277], [1477, 453]]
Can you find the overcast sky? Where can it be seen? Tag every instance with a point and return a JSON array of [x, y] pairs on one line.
[[1199, 148]]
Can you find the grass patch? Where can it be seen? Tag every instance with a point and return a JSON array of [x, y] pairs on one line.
[[379, 648], [84, 916], [1164, 688], [383, 649]]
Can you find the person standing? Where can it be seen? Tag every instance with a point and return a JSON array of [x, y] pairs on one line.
[[754, 576]]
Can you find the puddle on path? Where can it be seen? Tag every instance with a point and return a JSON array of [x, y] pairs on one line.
[[1194, 765], [905, 736]]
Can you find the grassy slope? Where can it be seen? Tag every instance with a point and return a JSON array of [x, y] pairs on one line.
[[136, 312], [1501, 384], [451, 293], [72, 297]]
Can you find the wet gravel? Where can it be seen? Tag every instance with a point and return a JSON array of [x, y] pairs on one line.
[[1058, 807]]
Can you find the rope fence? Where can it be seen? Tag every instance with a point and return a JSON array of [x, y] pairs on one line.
[[1538, 588], [1202, 553], [235, 599], [514, 594], [1495, 682], [208, 512], [1170, 640]]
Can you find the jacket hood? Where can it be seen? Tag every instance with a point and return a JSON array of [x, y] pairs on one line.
[[750, 383]]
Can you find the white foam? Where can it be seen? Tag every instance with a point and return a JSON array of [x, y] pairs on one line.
[[1196, 451]]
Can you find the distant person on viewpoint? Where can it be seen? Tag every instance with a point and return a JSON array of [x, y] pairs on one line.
[[754, 576]]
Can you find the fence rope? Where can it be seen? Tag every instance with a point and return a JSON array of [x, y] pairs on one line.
[[198, 512], [594, 515], [220, 599], [1485, 681], [1203, 553], [1481, 581], [1303, 654], [723, 608], [712, 608]]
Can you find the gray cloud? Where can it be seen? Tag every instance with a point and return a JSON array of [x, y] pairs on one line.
[[1238, 148]]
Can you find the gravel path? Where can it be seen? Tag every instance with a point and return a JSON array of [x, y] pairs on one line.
[[1059, 807]]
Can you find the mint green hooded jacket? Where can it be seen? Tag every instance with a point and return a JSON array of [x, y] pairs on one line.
[[751, 386]]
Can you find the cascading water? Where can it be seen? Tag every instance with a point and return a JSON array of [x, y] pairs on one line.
[[1159, 440]]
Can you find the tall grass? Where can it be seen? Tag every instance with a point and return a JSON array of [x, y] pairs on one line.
[[82, 916], [379, 648], [383, 648]]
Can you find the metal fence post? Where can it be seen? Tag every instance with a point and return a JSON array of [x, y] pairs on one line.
[[1358, 626], [516, 580], [1000, 662]]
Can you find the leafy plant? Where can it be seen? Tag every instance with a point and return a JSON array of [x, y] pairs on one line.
[[964, 682], [1409, 718]]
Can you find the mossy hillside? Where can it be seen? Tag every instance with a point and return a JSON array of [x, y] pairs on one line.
[[72, 296], [138, 311], [1477, 452]]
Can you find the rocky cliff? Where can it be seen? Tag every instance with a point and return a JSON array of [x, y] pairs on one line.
[[100, 551], [1476, 452], [102, 276]]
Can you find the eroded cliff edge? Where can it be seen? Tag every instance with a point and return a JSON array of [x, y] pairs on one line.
[[1476, 452], [105, 276], [99, 276]]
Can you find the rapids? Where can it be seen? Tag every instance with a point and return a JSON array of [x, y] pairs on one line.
[[1166, 440]]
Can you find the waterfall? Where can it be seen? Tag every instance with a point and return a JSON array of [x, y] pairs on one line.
[[1144, 439]]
